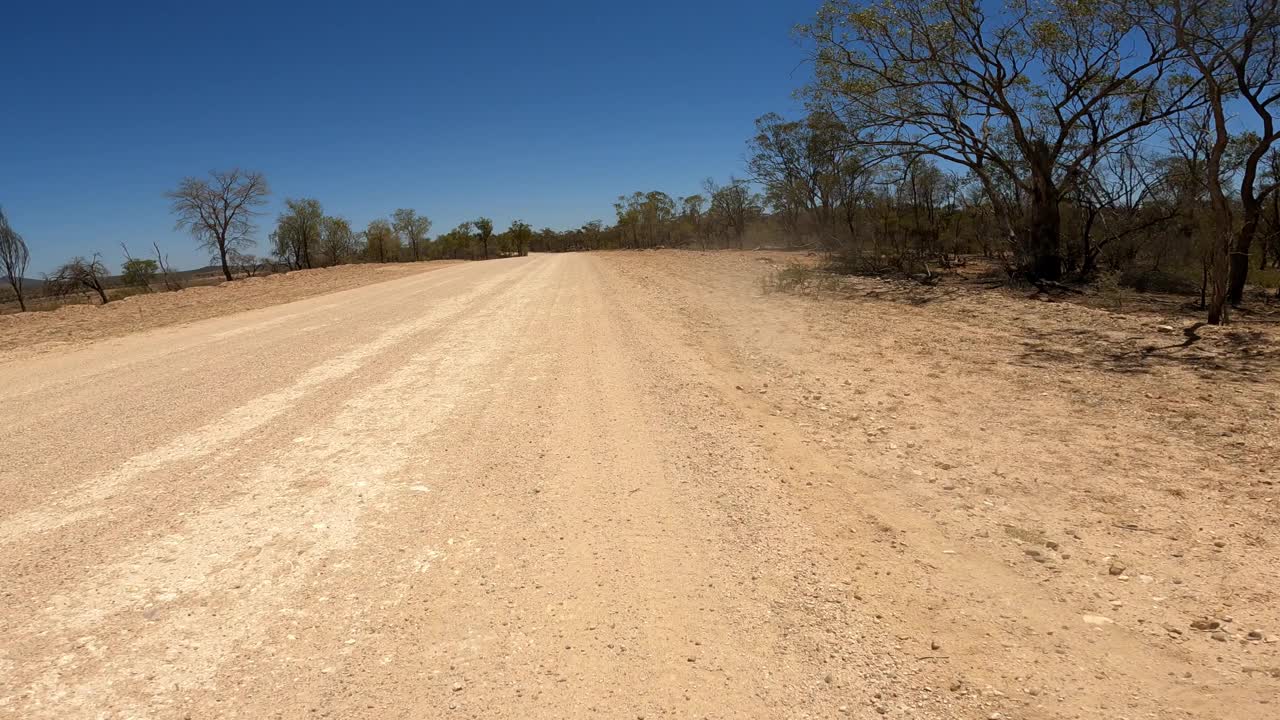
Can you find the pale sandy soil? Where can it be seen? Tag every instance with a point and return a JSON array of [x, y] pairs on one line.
[[637, 485], [33, 333]]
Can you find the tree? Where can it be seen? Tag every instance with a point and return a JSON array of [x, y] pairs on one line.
[[247, 264], [381, 243], [1233, 49], [219, 212], [519, 236], [13, 258], [79, 274], [453, 243], [591, 234], [412, 228], [337, 240], [297, 234], [691, 209], [802, 164], [1026, 99], [484, 233], [171, 282], [139, 272], [647, 216], [732, 206]]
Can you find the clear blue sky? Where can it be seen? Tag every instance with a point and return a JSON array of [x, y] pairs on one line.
[[544, 111]]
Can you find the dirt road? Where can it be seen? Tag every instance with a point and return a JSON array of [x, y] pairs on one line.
[[579, 486]]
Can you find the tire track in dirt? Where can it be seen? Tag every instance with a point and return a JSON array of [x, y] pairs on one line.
[[229, 568]]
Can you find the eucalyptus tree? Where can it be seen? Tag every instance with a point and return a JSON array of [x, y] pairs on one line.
[[484, 233], [692, 211], [519, 235], [732, 206], [1233, 48], [1024, 95], [413, 229], [381, 243], [806, 164]]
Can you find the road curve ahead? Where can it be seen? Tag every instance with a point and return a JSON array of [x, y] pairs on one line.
[[501, 489]]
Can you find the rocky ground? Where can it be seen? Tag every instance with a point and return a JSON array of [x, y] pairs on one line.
[[644, 485]]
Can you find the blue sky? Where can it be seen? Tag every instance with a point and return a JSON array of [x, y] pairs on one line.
[[544, 111]]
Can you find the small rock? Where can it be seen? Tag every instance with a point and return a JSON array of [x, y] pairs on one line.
[[1164, 328], [935, 645], [1097, 620], [1116, 569], [1219, 543], [1219, 636], [1032, 552], [1255, 635], [457, 687], [1205, 625]]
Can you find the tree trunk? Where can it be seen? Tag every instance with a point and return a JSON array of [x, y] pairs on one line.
[[1219, 277], [1090, 262], [17, 290], [1042, 246], [1240, 258], [226, 269]]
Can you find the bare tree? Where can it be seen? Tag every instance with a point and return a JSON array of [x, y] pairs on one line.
[[13, 257], [171, 283], [81, 275], [219, 212], [247, 264]]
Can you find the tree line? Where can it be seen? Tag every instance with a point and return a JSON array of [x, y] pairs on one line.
[[1066, 137], [1130, 141], [1066, 140]]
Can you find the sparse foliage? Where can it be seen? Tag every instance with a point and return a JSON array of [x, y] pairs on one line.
[[14, 258], [381, 243], [412, 228], [296, 239], [139, 273], [219, 211], [79, 275]]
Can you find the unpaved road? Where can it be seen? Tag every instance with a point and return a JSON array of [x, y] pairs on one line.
[[613, 486]]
